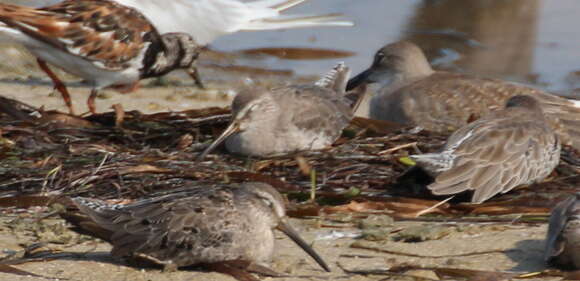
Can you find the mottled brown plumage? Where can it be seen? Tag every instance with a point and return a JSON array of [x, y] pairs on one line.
[[496, 153], [412, 93], [76, 27], [563, 237], [107, 44], [288, 119], [200, 225]]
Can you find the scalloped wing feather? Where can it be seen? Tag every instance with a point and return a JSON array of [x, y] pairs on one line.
[[494, 155], [316, 110], [437, 98], [159, 226]]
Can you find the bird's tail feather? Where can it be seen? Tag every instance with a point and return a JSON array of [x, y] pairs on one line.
[[433, 163], [335, 79], [99, 211], [278, 5], [296, 21]]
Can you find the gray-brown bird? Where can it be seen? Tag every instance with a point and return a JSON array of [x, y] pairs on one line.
[[201, 225], [504, 149], [414, 94], [563, 238], [288, 119]]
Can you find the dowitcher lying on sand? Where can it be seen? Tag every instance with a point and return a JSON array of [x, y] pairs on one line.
[[412, 93], [201, 225], [288, 119], [494, 154]]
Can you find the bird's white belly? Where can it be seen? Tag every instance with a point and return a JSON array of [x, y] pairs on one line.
[[98, 77], [75, 65]]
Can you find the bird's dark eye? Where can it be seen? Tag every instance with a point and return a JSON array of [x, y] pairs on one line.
[[379, 57], [267, 202]]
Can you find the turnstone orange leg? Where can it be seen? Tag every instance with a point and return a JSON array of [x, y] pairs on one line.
[[58, 85], [91, 101]]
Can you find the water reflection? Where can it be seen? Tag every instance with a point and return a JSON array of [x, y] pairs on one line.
[[509, 39], [494, 38]]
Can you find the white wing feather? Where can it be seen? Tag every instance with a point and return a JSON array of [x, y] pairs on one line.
[[205, 20]]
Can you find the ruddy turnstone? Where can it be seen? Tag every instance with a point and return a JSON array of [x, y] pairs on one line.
[[201, 225], [288, 119], [504, 149], [563, 237], [101, 41], [412, 93]]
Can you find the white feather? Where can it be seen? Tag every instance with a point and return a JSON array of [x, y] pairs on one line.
[[93, 72], [205, 20]]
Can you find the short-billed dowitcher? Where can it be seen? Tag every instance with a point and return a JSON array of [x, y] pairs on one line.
[[412, 93], [103, 42], [563, 237], [201, 225], [494, 154], [288, 119]]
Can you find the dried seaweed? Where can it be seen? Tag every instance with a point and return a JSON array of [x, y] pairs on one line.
[[132, 155]]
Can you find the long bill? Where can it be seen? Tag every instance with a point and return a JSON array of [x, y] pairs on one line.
[[361, 78], [290, 232], [230, 130]]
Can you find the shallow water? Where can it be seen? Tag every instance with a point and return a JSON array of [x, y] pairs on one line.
[[533, 41]]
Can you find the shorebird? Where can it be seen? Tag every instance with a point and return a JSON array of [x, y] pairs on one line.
[[288, 119], [563, 237], [201, 225], [504, 149], [103, 42], [412, 93]]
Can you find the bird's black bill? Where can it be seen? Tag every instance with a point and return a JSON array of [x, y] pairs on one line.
[[230, 130], [288, 230], [361, 78]]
